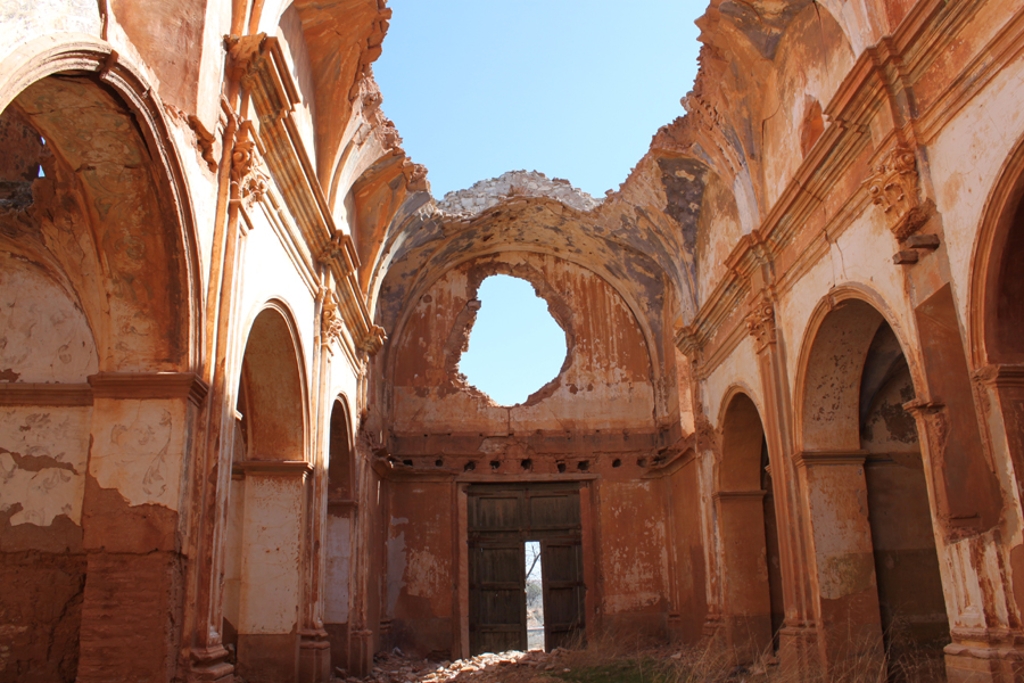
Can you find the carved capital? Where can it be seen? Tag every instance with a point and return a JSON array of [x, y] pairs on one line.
[[374, 340], [761, 323], [893, 185], [330, 320], [246, 173], [688, 341]]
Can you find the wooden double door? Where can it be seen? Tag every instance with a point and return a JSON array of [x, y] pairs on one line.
[[502, 519]]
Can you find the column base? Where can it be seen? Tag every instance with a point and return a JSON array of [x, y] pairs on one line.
[[314, 658], [799, 654], [983, 663], [211, 665], [360, 657]]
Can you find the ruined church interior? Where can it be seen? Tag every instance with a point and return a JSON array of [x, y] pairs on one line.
[[236, 444]]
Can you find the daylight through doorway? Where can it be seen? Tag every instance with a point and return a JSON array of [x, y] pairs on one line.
[[534, 596]]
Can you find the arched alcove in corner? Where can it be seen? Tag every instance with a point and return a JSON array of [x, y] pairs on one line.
[[861, 446], [264, 562], [340, 517], [752, 611]]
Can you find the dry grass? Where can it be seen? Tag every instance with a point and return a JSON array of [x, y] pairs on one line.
[[625, 660]]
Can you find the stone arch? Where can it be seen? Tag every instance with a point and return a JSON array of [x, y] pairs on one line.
[[995, 303], [97, 247], [341, 508], [868, 492], [835, 345], [440, 310], [272, 389], [107, 142], [995, 311], [265, 557], [750, 563]]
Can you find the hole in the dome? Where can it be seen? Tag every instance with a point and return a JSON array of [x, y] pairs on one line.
[[515, 345]]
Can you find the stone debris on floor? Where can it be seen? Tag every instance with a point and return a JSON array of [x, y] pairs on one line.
[[534, 666]]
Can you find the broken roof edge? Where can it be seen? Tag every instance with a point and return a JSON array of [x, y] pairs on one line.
[[488, 193]]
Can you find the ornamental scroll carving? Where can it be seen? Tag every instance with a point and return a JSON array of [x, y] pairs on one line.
[[330, 320], [245, 169], [893, 186], [761, 323]]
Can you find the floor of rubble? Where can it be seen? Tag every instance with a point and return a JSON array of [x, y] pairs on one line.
[[608, 664]]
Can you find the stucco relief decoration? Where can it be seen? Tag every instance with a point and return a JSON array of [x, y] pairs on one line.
[[761, 323], [245, 172], [330, 320], [374, 340], [894, 187]]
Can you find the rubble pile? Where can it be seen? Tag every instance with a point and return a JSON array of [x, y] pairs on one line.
[[534, 666]]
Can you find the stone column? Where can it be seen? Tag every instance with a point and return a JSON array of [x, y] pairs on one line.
[[746, 605], [850, 627], [798, 639], [135, 485], [272, 570]]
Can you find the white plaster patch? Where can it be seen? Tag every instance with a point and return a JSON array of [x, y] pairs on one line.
[[139, 449], [339, 557], [43, 492], [272, 561], [44, 337]]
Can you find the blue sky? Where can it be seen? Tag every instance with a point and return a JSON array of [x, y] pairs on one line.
[[572, 88], [515, 346]]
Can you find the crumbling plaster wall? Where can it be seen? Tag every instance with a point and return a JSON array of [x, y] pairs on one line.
[[605, 384], [812, 60]]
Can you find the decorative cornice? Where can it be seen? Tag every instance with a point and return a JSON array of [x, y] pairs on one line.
[[263, 71], [842, 458], [149, 385], [1000, 376], [274, 467], [26, 394]]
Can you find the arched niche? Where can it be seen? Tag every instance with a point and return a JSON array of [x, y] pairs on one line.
[[830, 383], [97, 258], [868, 501], [265, 544], [110, 219], [272, 397], [340, 544], [751, 576]]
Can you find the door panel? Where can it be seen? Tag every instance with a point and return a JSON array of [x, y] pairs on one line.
[[563, 592], [501, 519], [497, 584]]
